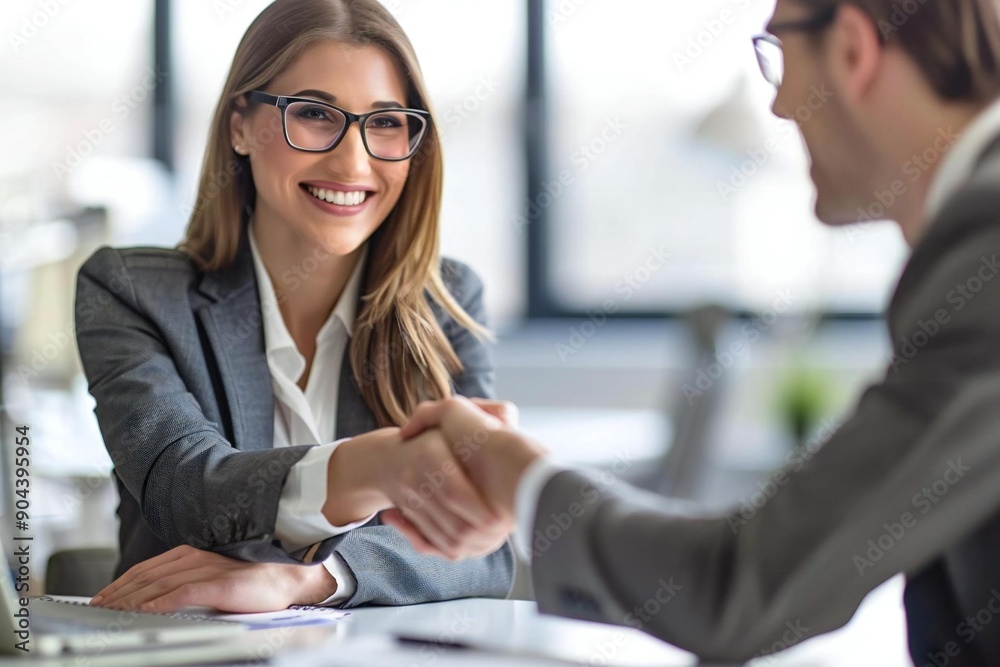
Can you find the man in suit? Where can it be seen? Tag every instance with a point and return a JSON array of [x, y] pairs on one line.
[[911, 482]]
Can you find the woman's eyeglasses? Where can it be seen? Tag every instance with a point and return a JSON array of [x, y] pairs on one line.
[[318, 127]]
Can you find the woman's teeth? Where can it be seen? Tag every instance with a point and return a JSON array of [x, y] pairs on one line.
[[338, 197]]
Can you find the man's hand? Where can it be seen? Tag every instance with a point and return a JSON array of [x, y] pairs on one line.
[[505, 411], [493, 455], [189, 577], [423, 481]]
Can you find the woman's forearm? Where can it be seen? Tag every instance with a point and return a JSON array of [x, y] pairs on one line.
[[353, 491]]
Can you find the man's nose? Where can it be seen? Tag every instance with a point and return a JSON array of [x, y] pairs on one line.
[[779, 107]]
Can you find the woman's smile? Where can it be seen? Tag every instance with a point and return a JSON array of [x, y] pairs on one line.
[[337, 199]]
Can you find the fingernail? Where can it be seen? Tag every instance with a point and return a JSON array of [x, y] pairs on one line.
[[97, 599]]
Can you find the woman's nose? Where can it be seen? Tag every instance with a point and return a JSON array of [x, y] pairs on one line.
[[351, 151]]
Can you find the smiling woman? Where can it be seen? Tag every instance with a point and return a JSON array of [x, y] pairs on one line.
[[242, 378]]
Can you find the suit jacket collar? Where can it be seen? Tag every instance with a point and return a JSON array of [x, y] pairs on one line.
[[235, 330], [962, 155], [226, 283], [971, 206]]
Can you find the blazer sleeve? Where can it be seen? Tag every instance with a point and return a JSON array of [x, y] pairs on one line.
[[387, 568], [192, 486], [913, 471]]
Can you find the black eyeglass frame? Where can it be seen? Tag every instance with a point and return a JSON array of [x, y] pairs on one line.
[[818, 21], [282, 102]]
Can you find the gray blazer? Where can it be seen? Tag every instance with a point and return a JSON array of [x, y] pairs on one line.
[[175, 360], [909, 483]]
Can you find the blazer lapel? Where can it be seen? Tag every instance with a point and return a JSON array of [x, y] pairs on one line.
[[235, 330], [353, 415]]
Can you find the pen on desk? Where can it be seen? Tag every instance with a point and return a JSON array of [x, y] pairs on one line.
[[406, 639]]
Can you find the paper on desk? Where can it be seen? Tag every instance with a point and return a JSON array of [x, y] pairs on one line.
[[295, 616]]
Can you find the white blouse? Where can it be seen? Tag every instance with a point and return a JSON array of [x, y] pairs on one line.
[[308, 418]]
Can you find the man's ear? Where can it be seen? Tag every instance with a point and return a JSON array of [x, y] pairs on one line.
[[854, 52]]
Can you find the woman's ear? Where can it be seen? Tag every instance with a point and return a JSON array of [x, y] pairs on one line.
[[237, 128]]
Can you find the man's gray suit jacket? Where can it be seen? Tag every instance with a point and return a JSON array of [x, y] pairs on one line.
[[175, 360], [909, 483]]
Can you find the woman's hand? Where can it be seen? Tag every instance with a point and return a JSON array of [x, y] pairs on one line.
[[433, 495], [189, 577], [493, 454], [423, 480], [489, 416]]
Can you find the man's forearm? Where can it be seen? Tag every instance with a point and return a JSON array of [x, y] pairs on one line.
[[499, 466]]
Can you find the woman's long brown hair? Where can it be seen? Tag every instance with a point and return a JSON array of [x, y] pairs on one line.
[[399, 353]]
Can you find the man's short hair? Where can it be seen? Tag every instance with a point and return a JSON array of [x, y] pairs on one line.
[[956, 43]]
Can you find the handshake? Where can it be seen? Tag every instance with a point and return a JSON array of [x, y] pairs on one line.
[[446, 480]]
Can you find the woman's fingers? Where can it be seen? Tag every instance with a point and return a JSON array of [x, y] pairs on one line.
[[141, 572], [207, 579], [456, 416], [165, 585], [505, 411]]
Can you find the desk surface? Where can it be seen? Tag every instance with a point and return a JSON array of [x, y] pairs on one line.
[[518, 635], [535, 640]]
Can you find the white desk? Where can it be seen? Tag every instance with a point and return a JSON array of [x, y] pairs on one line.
[[522, 637], [519, 633], [526, 637]]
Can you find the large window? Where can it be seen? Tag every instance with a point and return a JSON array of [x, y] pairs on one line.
[[662, 144], [76, 89]]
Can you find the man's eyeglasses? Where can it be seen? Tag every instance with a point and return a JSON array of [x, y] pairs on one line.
[[318, 127], [770, 55]]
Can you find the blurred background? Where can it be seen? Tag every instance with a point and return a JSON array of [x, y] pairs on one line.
[[667, 305]]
